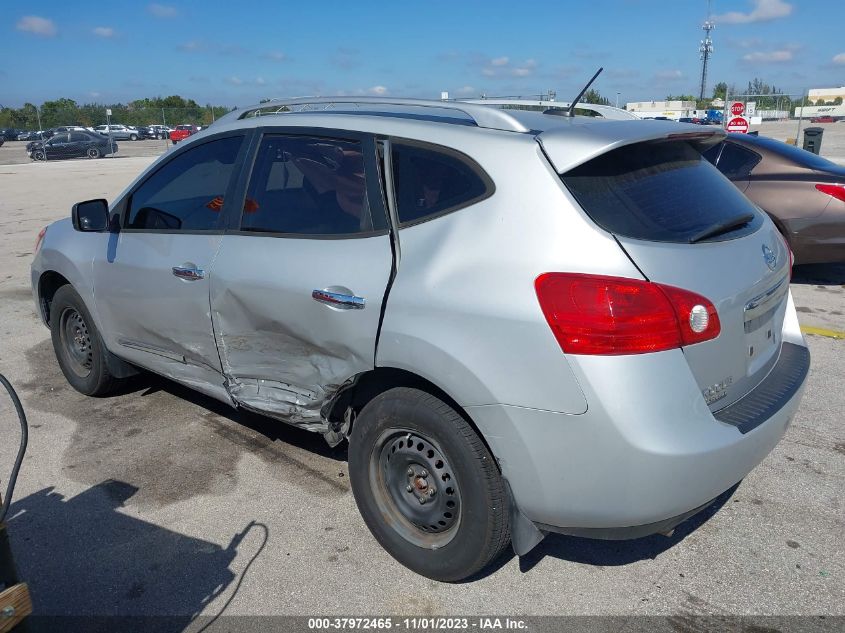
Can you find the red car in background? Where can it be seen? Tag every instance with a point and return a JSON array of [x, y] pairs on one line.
[[182, 132], [823, 119]]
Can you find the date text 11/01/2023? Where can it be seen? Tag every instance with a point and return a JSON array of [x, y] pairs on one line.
[[417, 624]]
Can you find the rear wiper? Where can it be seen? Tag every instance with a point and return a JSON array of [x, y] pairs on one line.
[[722, 227]]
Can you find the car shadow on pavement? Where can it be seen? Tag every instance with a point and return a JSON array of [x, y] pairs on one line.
[[613, 553], [270, 428], [92, 567], [819, 274]]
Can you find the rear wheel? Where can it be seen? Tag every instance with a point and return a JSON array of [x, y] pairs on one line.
[[77, 344], [93, 152], [426, 485]]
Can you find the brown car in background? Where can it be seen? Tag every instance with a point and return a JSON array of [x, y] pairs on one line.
[[803, 193]]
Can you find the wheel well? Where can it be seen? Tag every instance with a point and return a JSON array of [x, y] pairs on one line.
[[48, 284], [372, 383]]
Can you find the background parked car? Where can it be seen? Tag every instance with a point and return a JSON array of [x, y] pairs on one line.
[[823, 119], [9, 134], [118, 132], [182, 132], [802, 192], [160, 131], [70, 145]]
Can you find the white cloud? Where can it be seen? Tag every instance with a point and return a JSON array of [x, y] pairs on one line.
[[162, 10], [93, 95], [379, 91], [191, 46], [37, 26], [668, 75], [234, 81], [768, 57], [502, 67], [763, 11], [466, 91], [103, 31], [276, 56], [259, 81], [839, 59]]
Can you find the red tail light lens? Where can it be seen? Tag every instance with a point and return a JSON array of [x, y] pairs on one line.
[[837, 191], [40, 238], [598, 315]]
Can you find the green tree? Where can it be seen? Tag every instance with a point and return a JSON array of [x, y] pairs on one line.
[[594, 96], [837, 101], [720, 90]]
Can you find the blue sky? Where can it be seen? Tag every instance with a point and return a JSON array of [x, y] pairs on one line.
[[239, 52]]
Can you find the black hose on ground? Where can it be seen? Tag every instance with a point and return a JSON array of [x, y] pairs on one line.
[[10, 488]]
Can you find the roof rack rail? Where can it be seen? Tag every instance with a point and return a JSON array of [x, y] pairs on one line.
[[608, 112], [481, 114]]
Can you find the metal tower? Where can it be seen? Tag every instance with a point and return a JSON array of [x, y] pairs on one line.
[[706, 49]]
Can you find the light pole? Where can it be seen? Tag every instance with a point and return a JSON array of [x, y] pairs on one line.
[[617, 99]]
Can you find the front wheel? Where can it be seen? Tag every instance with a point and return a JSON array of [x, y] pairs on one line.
[[133, 137], [39, 155], [77, 344], [426, 485]]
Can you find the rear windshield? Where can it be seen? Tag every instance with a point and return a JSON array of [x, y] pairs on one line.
[[661, 192]]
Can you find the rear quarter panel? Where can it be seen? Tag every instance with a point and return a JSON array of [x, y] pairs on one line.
[[463, 311]]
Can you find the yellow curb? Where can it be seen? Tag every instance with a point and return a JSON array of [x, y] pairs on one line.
[[820, 331]]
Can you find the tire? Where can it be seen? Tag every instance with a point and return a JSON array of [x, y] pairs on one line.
[[133, 137], [39, 155], [174, 142], [405, 443], [93, 152], [78, 346]]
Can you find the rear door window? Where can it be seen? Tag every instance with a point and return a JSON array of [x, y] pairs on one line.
[[429, 182], [661, 191], [737, 162]]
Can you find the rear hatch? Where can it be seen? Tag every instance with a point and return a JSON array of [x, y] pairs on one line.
[[683, 224]]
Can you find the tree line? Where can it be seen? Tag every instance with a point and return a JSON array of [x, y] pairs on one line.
[[171, 110]]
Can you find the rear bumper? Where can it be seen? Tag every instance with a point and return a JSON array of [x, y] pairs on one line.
[[640, 460]]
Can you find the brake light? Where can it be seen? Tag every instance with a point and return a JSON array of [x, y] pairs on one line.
[[837, 191], [40, 239], [599, 315]]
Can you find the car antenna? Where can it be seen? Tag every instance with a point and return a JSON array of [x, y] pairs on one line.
[[571, 111]]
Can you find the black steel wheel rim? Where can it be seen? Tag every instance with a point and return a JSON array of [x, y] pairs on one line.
[[415, 488], [76, 342], [93, 152]]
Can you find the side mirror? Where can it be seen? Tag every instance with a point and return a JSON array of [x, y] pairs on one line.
[[91, 216]]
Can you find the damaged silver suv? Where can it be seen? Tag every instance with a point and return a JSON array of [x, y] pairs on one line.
[[521, 322]]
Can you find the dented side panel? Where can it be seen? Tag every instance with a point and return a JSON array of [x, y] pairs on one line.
[[152, 318], [283, 353]]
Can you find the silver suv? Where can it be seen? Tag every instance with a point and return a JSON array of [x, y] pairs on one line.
[[118, 132], [521, 322]]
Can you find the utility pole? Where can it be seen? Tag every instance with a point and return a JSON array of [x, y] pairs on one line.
[[706, 50]]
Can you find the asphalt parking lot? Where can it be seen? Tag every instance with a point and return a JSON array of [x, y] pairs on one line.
[[162, 501]]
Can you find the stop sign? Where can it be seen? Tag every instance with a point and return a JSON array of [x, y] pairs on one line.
[[738, 124], [737, 108]]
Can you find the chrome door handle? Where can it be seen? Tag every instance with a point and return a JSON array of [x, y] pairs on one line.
[[189, 274], [338, 300]]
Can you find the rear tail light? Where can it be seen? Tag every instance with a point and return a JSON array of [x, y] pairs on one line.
[[598, 315], [40, 239], [837, 191]]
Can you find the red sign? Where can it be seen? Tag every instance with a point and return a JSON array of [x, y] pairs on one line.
[[737, 108], [738, 124]]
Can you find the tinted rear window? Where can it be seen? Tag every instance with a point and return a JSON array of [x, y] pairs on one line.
[[662, 192], [796, 154]]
